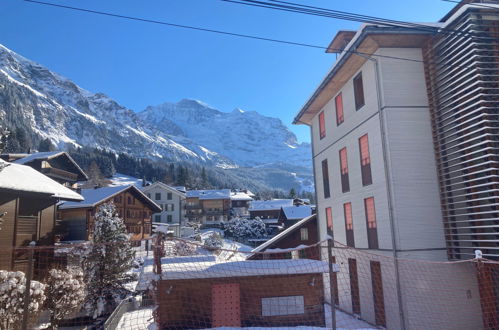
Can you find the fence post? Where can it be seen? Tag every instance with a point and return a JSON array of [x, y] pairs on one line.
[[331, 286], [27, 296]]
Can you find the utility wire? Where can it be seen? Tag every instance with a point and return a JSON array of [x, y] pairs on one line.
[[339, 50], [474, 4], [329, 13]]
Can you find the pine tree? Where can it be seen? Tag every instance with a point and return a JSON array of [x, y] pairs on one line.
[[46, 145], [95, 177], [4, 134], [108, 263], [292, 193]]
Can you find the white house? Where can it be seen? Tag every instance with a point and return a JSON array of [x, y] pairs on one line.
[[374, 141], [171, 201]]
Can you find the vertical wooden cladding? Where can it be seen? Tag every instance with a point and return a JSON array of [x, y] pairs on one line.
[[345, 184], [462, 84], [347, 211], [322, 126], [338, 103], [378, 298], [365, 160], [325, 179], [372, 230], [354, 285]]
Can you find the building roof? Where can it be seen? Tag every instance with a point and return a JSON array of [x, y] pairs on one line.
[[240, 196], [22, 178], [209, 194], [283, 234], [164, 186], [28, 158], [274, 204], [95, 196], [367, 40], [297, 212]]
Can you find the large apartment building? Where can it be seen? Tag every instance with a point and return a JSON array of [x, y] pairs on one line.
[[405, 144]]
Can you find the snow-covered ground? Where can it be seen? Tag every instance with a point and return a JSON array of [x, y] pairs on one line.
[[125, 180], [141, 319], [238, 251]]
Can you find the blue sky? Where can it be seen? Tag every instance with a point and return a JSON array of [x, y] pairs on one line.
[[140, 64]]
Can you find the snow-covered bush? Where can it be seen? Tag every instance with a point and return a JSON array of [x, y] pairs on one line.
[[245, 228], [107, 266], [181, 248], [65, 291], [213, 241], [12, 289]]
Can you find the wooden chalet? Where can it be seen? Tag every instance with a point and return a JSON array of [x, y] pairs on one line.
[[289, 215], [57, 165], [27, 211], [76, 219], [293, 242]]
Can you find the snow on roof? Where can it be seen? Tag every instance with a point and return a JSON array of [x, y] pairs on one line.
[[24, 178], [94, 196], [297, 212], [240, 196], [164, 186], [283, 234], [274, 204], [197, 270], [37, 155], [209, 194], [180, 188]]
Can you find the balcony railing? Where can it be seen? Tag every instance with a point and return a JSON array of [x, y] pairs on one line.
[[60, 174]]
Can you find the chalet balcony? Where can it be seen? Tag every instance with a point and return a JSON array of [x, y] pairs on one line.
[[59, 174], [193, 207]]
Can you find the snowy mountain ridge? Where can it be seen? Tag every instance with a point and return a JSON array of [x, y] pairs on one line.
[[47, 105]]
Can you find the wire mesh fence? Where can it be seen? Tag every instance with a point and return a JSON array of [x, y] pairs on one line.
[[175, 283]]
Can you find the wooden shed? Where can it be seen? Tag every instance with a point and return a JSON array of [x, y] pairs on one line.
[[252, 293]]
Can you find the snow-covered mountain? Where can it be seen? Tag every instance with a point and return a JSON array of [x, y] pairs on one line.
[[246, 137], [48, 105]]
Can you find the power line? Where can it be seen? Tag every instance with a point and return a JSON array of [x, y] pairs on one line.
[[342, 15], [247, 36]]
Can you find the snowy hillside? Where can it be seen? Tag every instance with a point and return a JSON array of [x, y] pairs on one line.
[[246, 137], [251, 146], [50, 106]]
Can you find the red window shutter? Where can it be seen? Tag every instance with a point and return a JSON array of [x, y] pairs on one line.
[[329, 217], [347, 207], [364, 150], [370, 212], [343, 161], [322, 126], [338, 101]]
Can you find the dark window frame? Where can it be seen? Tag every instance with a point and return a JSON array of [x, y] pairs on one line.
[[325, 179], [358, 91], [371, 224], [345, 181], [340, 114], [322, 125], [350, 238], [365, 162]]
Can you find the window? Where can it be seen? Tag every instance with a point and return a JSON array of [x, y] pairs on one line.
[[157, 218], [372, 231], [169, 218], [304, 234], [347, 210], [358, 91], [345, 184], [325, 179], [172, 207], [283, 306], [117, 199], [365, 160], [329, 218], [148, 195], [322, 126], [169, 196], [157, 196], [338, 102]]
